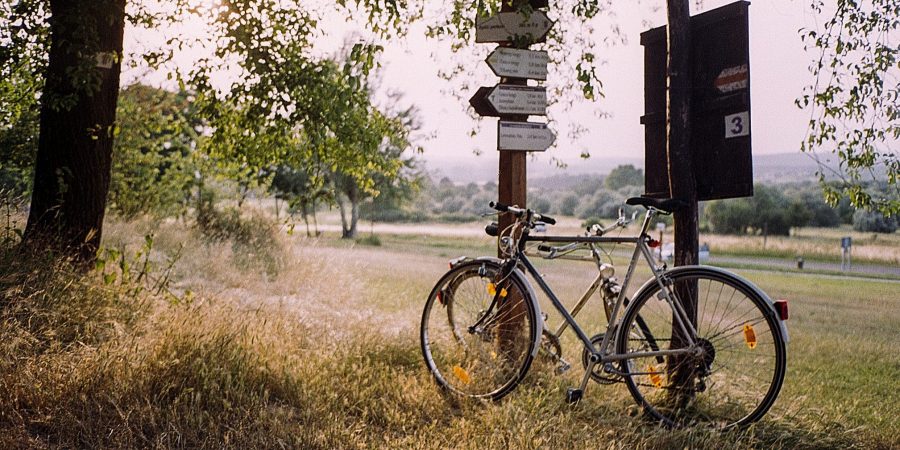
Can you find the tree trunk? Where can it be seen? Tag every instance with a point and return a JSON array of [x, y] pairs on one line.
[[315, 220], [77, 121], [350, 229], [304, 212], [344, 223]]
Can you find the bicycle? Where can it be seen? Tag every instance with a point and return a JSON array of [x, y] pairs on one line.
[[694, 344]]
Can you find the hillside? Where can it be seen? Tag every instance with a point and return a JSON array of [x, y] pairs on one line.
[[766, 168]]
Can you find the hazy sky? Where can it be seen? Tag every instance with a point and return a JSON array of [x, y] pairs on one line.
[[778, 67]]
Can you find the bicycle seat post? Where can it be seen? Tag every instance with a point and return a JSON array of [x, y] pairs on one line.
[[651, 212]]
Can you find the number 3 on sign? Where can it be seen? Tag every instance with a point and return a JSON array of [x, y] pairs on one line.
[[737, 125]]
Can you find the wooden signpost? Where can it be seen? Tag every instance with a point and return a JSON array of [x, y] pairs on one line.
[[513, 100]]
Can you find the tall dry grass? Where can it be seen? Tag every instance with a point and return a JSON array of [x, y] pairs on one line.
[[323, 354]]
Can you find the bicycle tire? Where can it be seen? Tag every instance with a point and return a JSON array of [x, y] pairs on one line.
[[490, 361], [738, 373]]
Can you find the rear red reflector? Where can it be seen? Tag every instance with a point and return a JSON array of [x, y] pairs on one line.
[[653, 243], [781, 307]]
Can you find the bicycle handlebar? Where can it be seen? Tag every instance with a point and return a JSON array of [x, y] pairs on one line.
[[519, 212]]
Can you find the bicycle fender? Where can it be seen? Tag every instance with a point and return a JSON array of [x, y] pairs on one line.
[[782, 327], [532, 297]]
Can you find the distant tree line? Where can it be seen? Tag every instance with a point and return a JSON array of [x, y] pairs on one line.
[[773, 210]]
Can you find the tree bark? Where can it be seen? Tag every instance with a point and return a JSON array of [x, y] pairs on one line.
[[77, 120], [682, 181], [350, 226]]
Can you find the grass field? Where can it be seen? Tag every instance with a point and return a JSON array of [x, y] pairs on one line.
[[324, 354], [843, 359]]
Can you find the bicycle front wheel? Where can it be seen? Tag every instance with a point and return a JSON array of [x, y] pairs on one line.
[[479, 331], [730, 376]]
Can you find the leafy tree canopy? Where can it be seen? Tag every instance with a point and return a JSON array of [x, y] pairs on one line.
[[622, 176], [855, 101]]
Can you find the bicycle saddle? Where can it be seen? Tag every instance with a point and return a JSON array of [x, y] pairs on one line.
[[667, 205]]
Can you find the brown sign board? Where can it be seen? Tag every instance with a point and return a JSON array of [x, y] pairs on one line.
[[720, 105]]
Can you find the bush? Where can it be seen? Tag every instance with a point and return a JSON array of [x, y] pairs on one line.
[[769, 211], [603, 204], [371, 240], [254, 239], [591, 221], [568, 205], [873, 222]]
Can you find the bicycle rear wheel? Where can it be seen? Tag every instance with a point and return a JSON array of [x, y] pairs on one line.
[[736, 369], [479, 331]]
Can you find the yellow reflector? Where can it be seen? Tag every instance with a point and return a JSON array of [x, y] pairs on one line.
[[655, 376], [461, 374], [749, 336], [492, 290]]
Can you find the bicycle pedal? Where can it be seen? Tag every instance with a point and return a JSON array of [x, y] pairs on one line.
[[574, 395], [563, 367]]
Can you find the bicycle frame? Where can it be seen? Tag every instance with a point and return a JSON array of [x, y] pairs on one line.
[[603, 355]]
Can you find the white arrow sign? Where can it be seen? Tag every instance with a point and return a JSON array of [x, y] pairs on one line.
[[506, 25], [516, 63], [510, 99], [524, 136]]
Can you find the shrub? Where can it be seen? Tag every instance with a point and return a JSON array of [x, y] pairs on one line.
[[254, 239], [873, 222], [769, 211], [371, 240]]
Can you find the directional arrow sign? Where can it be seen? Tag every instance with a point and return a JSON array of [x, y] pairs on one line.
[[505, 99], [524, 136], [506, 25], [515, 63]]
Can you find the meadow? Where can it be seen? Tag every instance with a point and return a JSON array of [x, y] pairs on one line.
[[316, 346]]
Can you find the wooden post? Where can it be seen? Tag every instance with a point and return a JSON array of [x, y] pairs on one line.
[[682, 182], [511, 174], [512, 190]]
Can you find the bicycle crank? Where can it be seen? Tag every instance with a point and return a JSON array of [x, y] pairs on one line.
[[598, 374], [551, 347]]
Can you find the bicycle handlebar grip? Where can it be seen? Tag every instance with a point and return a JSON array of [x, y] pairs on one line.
[[499, 206], [548, 220]]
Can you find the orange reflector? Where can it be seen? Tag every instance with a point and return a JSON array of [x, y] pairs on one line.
[[461, 374], [655, 376], [492, 290], [749, 336]]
